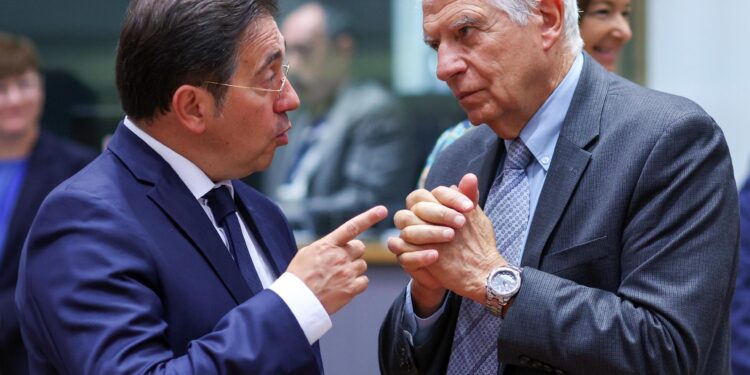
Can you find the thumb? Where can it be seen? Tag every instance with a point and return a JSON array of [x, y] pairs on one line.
[[469, 186]]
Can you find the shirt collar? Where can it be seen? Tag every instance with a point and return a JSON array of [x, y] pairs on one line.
[[543, 129], [193, 177]]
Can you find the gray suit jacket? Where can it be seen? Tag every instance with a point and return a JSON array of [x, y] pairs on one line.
[[365, 157], [630, 261]]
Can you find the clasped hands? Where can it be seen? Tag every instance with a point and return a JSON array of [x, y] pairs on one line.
[[446, 243]]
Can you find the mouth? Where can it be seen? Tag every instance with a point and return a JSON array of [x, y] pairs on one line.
[[607, 53], [283, 137], [461, 95]]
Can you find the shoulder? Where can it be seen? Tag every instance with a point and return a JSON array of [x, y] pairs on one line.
[[63, 151], [630, 119], [365, 98], [103, 181]]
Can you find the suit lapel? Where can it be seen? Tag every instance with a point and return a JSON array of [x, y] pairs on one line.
[[266, 234], [564, 174], [580, 129], [171, 195]]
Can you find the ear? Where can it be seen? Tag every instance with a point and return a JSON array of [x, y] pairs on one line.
[[345, 44], [192, 106], [553, 15]]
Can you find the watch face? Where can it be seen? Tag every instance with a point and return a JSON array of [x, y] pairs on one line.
[[504, 281]]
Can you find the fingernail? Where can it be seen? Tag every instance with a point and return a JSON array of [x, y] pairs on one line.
[[432, 255], [447, 233], [465, 205], [459, 220]]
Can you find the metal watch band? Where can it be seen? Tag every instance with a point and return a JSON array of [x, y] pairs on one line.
[[495, 302]]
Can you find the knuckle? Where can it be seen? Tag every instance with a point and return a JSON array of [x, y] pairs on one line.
[[394, 245], [352, 229], [438, 190]]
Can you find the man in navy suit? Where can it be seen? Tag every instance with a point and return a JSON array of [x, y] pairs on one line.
[[154, 259], [32, 163], [594, 225]]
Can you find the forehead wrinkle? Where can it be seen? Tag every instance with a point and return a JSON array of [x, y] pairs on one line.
[[467, 14]]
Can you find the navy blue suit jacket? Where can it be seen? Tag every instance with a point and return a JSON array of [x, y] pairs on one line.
[[741, 303], [123, 273], [51, 161]]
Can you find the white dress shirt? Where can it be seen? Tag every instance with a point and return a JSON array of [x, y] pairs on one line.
[[307, 309]]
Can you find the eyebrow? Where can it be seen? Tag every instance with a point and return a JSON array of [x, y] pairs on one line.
[[276, 55], [460, 22], [463, 21]]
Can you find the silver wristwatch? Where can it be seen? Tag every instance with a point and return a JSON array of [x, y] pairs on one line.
[[502, 284]]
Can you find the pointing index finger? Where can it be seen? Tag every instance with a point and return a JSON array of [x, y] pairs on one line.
[[355, 226]]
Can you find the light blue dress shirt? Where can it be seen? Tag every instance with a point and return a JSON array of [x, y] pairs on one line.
[[540, 136]]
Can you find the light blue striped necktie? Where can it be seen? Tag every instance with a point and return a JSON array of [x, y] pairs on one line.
[[475, 338]]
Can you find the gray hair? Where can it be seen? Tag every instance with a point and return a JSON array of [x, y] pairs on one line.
[[520, 10]]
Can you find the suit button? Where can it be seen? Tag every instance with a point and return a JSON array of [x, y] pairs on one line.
[[536, 364], [524, 360], [547, 369], [559, 372]]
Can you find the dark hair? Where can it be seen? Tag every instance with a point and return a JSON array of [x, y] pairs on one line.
[[168, 43], [337, 22], [17, 55], [582, 7]]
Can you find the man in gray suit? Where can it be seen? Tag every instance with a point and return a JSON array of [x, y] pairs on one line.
[[609, 243], [349, 145]]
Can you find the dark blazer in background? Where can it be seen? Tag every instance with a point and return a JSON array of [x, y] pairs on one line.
[[630, 261], [124, 273], [365, 157], [52, 160]]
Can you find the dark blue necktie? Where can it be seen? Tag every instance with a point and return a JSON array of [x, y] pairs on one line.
[[222, 206], [475, 339]]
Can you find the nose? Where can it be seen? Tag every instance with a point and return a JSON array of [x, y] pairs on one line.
[[11, 94], [449, 62], [288, 100], [622, 28]]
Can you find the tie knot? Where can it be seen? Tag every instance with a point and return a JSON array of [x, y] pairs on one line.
[[221, 203], [518, 156]]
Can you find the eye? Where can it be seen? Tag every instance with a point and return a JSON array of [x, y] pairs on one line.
[[600, 11], [463, 31], [433, 45]]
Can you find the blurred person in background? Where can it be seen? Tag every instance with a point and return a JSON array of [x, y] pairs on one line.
[[605, 29], [32, 163], [349, 146], [741, 302]]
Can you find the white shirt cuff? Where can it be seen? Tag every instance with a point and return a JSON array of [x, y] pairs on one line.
[[306, 308], [419, 328]]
